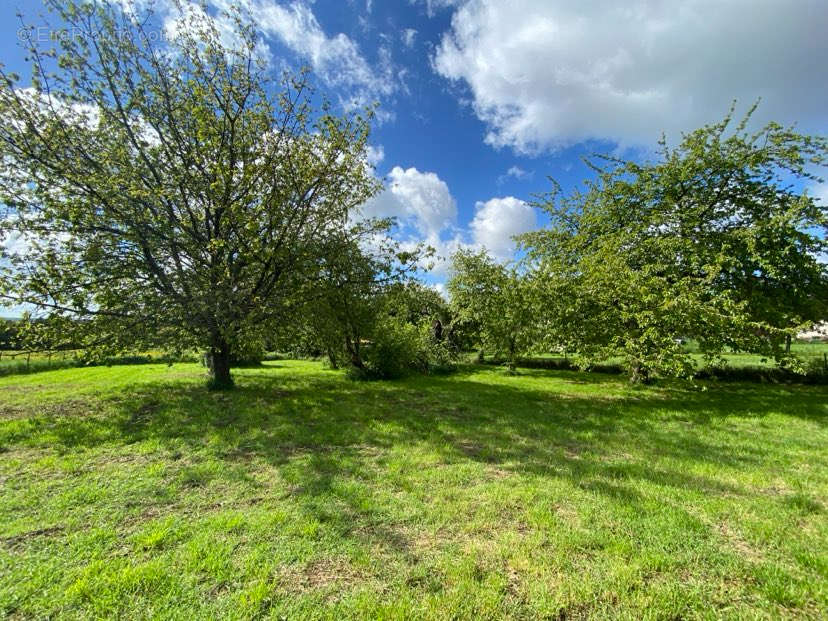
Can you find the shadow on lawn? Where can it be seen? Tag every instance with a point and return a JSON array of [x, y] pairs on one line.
[[276, 415], [338, 429]]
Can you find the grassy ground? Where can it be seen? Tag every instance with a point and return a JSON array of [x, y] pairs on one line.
[[132, 491]]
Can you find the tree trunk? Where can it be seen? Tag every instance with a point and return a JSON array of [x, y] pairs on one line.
[[352, 345], [218, 365], [512, 361], [332, 358], [639, 373], [437, 331]]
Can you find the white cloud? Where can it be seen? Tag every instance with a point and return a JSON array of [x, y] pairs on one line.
[[440, 288], [408, 37], [517, 172], [419, 200], [820, 193], [427, 213], [337, 59], [16, 244], [374, 155], [433, 6], [548, 73], [498, 220]]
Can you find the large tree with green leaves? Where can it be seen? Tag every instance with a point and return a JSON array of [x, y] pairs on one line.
[[171, 194], [717, 241]]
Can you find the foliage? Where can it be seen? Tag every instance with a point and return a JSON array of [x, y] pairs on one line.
[[350, 298], [713, 242], [498, 300], [8, 334], [395, 350], [401, 344], [415, 303], [171, 196]]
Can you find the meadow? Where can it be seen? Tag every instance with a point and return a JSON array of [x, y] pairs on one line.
[[132, 491]]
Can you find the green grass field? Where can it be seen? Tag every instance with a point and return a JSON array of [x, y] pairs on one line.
[[132, 491]]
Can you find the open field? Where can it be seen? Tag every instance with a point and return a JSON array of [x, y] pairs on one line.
[[132, 491]]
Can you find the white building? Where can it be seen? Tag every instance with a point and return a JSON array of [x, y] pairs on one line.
[[817, 332]]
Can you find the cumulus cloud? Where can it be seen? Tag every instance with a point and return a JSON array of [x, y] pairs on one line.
[[336, 59], [420, 201], [497, 221], [440, 288], [820, 193], [543, 74], [427, 212], [374, 155]]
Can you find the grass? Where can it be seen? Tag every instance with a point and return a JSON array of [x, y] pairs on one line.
[[20, 362], [134, 492]]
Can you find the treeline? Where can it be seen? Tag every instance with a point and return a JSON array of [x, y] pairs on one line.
[[174, 195]]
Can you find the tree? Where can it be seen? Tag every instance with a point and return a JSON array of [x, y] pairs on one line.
[[350, 295], [171, 196], [717, 241], [496, 298]]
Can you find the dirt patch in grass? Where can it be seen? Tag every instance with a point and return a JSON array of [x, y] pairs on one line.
[[322, 574], [777, 489], [20, 389], [738, 543], [59, 409], [16, 540], [10, 412], [494, 472], [144, 412], [475, 451]]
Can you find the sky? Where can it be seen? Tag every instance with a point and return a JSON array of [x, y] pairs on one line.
[[481, 101]]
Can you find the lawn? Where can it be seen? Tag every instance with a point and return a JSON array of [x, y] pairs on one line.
[[133, 491]]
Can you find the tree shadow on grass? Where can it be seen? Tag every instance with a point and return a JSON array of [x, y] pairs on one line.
[[336, 431], [278, 415]]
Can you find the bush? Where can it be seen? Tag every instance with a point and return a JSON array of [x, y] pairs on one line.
[[400, 348], [396, 350], [815, 371]]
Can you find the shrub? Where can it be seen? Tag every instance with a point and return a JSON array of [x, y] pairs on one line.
[[399, 348], [396, 350]]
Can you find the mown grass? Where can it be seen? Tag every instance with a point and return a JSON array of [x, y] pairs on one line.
[[134, 492], [21, 362]]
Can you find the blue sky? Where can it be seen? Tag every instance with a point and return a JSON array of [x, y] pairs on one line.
[[481, 100]]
